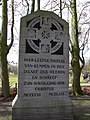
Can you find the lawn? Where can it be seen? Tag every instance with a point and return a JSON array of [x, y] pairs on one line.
[[81, 108], [12, 79]]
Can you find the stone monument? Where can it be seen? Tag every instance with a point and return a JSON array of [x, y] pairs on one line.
[[43, 92]]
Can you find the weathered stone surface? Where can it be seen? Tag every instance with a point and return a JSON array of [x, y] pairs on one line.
[[43, 92], [52, 113]]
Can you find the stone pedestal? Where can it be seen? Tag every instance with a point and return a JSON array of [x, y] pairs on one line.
[[24, 110], [43, 92]]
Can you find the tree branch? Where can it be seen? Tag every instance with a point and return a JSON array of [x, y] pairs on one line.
[[38, 3], [26, 5], [87, 4], [12, 26], [33, 6]]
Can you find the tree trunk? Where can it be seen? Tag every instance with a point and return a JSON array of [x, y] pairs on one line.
[[61, 8], [38, 4], [75, 62], [4, 67], [76, 72], [4, 74], [33, 6]]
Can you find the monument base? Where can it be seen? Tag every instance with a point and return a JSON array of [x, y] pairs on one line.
[[20, 111]]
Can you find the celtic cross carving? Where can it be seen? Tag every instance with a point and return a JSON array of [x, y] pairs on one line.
[[44, 35]]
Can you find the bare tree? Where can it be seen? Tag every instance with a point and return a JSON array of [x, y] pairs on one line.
[[38, 4], [27, 5], [33, 6], [61, 8], [5, 48], [77, 61]]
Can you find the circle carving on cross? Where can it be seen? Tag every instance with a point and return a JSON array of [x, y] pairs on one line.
[[44, 35]]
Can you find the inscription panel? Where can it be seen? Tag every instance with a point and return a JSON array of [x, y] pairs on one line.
[[44, 60]]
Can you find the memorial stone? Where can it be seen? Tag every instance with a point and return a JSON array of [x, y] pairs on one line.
[[43, 92]]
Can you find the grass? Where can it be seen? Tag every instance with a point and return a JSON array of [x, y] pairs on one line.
[[12, 79], [7, 117], [81, 109]]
